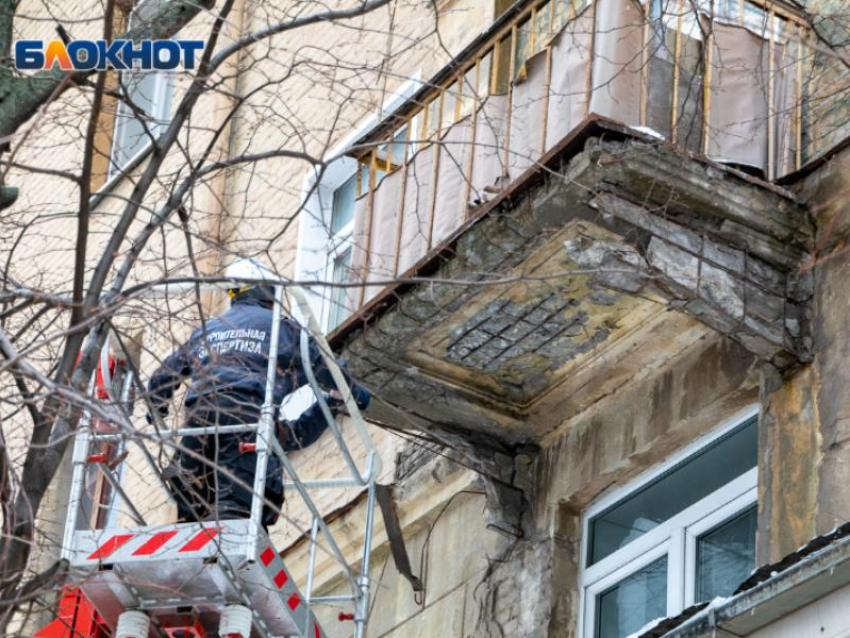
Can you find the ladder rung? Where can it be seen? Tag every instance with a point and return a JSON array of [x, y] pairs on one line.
[[323, 484], [170, 434], [213, 429], [332, 599]]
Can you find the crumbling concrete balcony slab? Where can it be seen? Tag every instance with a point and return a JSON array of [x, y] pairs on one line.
[[616, 252]]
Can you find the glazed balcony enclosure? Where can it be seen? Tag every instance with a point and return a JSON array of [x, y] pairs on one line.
[[571, 137]]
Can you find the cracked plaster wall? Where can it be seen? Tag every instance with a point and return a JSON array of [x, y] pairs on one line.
[[806, 423], [533, 591]]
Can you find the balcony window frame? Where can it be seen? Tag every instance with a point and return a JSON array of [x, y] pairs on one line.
[[676, 538], [382, 160], [428, 122], [777, 22], [468, 97], [429, 116]]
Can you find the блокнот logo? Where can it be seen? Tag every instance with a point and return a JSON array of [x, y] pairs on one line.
[[100, 55]]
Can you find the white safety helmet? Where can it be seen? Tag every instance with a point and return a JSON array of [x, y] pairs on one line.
[[250, 269]]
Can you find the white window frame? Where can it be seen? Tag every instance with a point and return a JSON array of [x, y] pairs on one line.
[[158, 121], [339, 242], [161, 101], [316, 250], [676, 537]]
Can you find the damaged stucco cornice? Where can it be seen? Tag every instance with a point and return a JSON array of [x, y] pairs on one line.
[[764, 219], [726, 288], [730, 254]]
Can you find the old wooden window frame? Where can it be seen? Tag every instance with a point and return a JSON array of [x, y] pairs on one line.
[[432, 119], [794, 24], [509, 33]]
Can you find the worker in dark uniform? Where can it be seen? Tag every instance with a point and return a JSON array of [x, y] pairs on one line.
[[227, 361]]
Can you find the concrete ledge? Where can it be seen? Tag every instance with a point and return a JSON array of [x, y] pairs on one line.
[[639, 219]]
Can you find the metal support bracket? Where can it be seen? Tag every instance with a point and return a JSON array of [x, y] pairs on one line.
[[396, 539]]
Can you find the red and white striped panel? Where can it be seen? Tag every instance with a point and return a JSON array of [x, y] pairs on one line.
[[184, 540], [154, 546], [275, 569]]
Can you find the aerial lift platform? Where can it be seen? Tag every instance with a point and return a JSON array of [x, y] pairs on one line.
[[222, 578]]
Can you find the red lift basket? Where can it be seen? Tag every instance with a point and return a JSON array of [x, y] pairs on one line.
[[75, 618]]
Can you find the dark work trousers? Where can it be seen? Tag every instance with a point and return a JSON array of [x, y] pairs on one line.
[[202, 472]]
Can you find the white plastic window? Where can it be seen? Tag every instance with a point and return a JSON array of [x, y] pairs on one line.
[[338, 270], [327, 216], [682, 535], [340, 274], [144, 112], [137, 126]]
